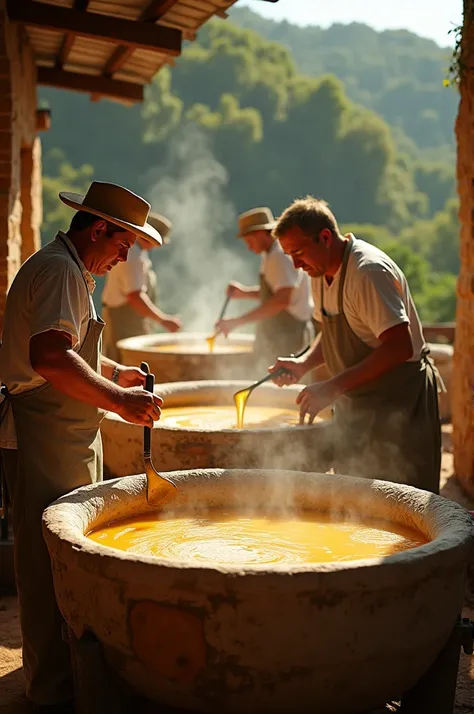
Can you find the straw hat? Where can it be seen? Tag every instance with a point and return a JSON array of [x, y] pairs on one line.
[[163, 225], [118, 205], [257, 219]]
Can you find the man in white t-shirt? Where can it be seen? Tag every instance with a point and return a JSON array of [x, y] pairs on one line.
[[130, 295], [283, 317], [382, 383]]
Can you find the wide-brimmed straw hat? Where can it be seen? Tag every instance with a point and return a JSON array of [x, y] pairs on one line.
[[257, 219], [162, 224], [118, 205]]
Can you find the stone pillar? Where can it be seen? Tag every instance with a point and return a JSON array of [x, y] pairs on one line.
[[31, 199], [463, 365], [17, 132]]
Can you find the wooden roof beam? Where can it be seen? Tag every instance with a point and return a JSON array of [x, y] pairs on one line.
[[68, 39], [132, 33], [151, 14], [90, 84]]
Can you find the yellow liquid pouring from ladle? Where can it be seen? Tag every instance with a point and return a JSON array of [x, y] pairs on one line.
[[240, 399], [210, 341]]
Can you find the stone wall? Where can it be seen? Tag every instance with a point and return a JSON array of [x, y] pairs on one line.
[[463, 367], [20, 153]]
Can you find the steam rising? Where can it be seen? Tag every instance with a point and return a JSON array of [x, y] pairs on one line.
[[203, 256]]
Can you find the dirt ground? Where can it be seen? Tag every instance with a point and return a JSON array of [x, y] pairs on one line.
[[11, 680]]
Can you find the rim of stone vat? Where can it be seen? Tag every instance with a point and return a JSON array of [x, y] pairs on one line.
[[178, 337], [201, 387], [447, 525]]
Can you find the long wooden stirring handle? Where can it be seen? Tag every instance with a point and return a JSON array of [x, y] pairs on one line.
[[224, 308], [149, 386]]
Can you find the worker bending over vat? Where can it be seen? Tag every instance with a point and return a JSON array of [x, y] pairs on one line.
[[383, 383], [284, 315], [58, 388], [130, 297]]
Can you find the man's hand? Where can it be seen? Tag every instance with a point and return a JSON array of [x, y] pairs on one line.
[[236, 290], [226, 326], [172, 323], [138, 406], [315, 398], [295, 369], [131, 377]]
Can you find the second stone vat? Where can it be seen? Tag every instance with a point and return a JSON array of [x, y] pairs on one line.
[[175, 446]]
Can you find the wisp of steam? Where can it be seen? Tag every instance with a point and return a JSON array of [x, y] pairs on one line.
[[204, 255]]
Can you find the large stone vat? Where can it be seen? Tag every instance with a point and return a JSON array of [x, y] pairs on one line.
[[185, 356], [306, 448], [338, 638]]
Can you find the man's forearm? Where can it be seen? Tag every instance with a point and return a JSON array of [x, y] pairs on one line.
[[314, 357], [273, 306], [145, 307], [107, 366], [252, 293], [67, 372], [380, 361]]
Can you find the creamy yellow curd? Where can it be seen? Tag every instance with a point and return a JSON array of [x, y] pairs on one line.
[[225, 417], [221, 537], [201, 348]]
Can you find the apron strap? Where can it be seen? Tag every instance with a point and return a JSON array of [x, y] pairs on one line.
[[345, 260], [425, 357], [92, 312]]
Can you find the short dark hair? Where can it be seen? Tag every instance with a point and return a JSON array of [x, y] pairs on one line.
[[309, 214], [83, 219]]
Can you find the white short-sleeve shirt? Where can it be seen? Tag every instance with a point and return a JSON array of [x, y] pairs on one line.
[[279, 272], [51, 291], [126, 278], [376, 297]]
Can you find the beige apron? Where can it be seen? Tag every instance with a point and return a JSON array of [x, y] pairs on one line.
[[124, 321], [389, 429], [280, 335], [59, 449]]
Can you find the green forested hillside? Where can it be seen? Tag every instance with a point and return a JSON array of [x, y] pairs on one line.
[[235, 124], [396, 73]]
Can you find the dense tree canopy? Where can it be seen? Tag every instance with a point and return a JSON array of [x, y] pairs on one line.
[[276, 134]]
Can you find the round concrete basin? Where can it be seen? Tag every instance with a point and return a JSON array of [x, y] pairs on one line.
[[186, 356], [306, 448], [339, 638]]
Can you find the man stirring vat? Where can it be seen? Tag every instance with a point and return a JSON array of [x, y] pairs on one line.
[[283, 318], [59, 388], [383, 385], [130, 294]]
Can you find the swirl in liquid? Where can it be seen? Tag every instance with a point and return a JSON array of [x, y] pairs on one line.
[[220, 537]]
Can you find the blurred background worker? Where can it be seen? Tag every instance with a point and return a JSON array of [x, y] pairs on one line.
[[284, 315], [130, 295]]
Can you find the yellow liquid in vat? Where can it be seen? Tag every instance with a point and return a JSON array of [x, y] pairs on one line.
[[224, 417], [219, 537], [201, 348]]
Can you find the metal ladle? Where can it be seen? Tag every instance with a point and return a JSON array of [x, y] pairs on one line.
[[159, 489], [210, 340], [241, 397]]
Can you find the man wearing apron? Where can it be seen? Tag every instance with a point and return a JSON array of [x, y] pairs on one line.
[[383, 384], [284, 316], [57, 390], [130, 295]]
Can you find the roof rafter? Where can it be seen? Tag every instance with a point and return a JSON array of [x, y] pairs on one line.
[[151, 14], [131, 33], [68, 39], [91, 84]]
